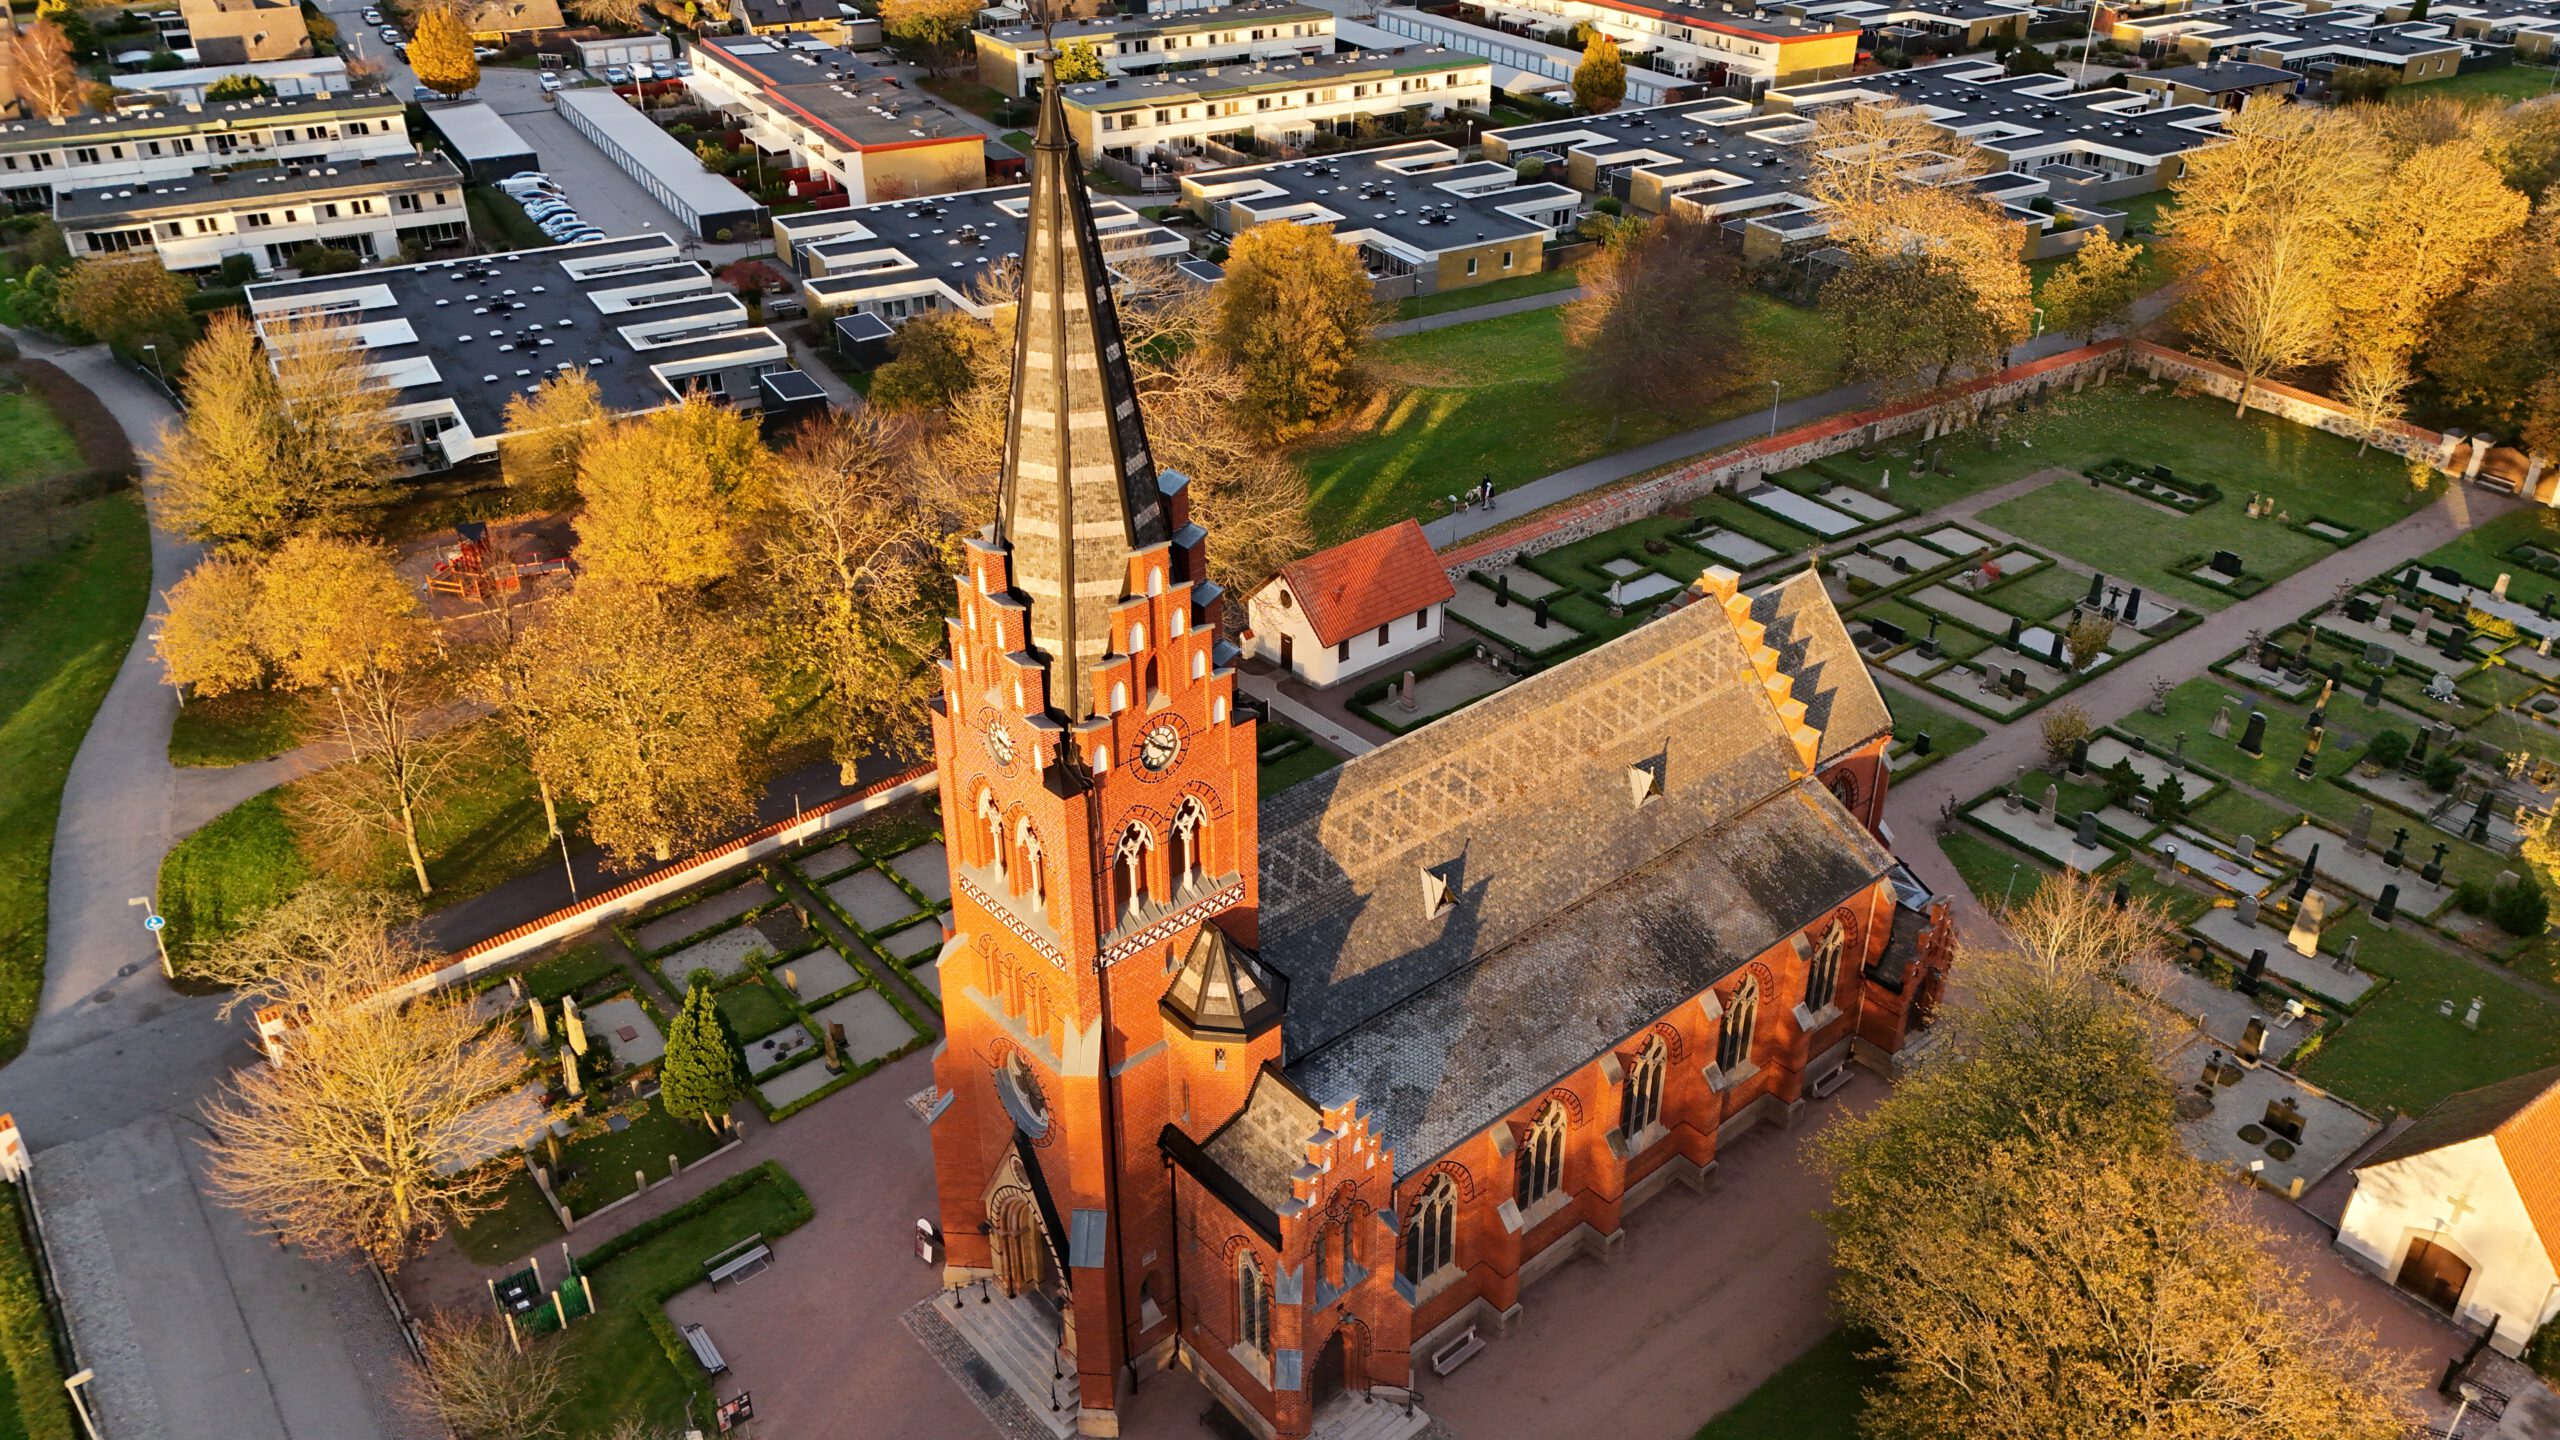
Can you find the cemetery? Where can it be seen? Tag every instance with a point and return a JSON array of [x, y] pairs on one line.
[[1993, 628]]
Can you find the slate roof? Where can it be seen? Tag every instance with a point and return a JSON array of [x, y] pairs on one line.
[[1267, 1139], [1840, 697], [1362, 584], [2523, 1113], [1578, 915]]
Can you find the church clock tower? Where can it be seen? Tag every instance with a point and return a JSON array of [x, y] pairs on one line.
[[1098, 794]]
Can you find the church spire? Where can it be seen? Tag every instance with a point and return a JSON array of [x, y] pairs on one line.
[[1079, 490]]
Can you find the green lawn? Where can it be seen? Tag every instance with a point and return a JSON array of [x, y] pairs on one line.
[[488, 831], [569, 972], [1986, 867], [33, 445], [237, 728], [1497, 397], [1439, 302], [598, 1170], [2040, 594], [1301, 764], [753, 1010], [66, 619], [1818, 1397], [2148, 547], [618, 1365], [30, 1373], [2481, 554], [521, 1224], [2190, 710], [2397, 1051], [2505, 85]]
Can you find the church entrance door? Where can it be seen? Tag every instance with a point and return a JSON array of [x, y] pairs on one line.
[[2435, 1274], [1330, 1365], [1021, 1251]]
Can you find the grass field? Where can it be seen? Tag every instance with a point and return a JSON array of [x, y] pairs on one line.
[[1911, 718], [32, 1406], [1818, 1397], [1497, 397], [238, 728], [33, 445], [65, 621], [1440, 302], [2398, 1051], [2481, 553], [488, 830], [2505, 85]]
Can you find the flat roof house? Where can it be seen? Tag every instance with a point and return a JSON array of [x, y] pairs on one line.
[[1140, 118], [87, 152], [370, 208], [1009, 56], [1720, 46], [2282, 34], [233, 32], [830, 21], [455, 340], [903, 258], [2224, 84], [1419, 210], [1523, 64], [1969, 24], [838, 116]]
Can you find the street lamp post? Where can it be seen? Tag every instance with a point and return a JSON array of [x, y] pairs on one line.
[[156, 367], [1776, 388]]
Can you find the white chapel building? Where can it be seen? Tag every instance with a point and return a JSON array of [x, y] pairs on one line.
[[1351, 608], [2462, 1209]]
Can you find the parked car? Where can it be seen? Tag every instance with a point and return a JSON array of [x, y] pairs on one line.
[[484, 52], [372, 16], [616, 75], [391, 36], [661, 70], [581, 237], [550, 83], [684, 69], [529, 177]]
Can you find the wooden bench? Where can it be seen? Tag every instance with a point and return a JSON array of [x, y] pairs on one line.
[[739, 1261], [1457, 1352], [704, 1351], [1830, 1082]]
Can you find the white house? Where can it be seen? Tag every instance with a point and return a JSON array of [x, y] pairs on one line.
[[1358, 605], [2462, 1209]]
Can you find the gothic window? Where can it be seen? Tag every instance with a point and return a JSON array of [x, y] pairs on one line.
[[1824, 982], [1129, 866], [1541, 1162], [1119, 697], [1643, 1098], [1253, 1307], [994, 822], [1845, 786], [1022, 1084], [1025, 873], [1155, 688], [1430, 1236], [1190, 835], [1741, 1014]]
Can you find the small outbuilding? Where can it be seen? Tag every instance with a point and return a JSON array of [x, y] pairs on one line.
[[1356, 606], [2462, 1209]]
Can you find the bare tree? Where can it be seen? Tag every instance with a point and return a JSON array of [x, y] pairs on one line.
[[40, 63], [394, 777], [482, 1385], [2071, 930], [1664, 289], [363, 1137], [2370, 386]]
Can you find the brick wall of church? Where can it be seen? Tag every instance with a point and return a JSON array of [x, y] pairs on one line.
[[1859, 779], [1496, 1246]]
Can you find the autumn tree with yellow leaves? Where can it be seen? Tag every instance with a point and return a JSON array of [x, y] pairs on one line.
[[280, 438], [672, 496]]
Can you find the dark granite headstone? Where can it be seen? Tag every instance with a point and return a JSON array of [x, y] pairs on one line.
[[2253, 736], [2433, 871], [2373, 691], [1920, 743], [2097, 589], [2398, 854], [2080, 756], [2226, 563], [2088, 836], [2388, 905], [2247, 982]]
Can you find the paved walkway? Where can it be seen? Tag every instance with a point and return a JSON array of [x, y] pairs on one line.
[[196, 1326], [1545, 300], [1336, 735]]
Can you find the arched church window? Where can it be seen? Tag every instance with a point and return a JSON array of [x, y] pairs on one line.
[[1824, 981], [1741, 1017], [1199, 664], [1190, 839], [1253, 1307], [1541, 1164], [1026, 875], [994, 823], [1130, 865], [1430, 1236], [1643, 1090]]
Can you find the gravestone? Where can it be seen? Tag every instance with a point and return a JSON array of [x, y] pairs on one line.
[[569, 1075], [2398, 854], [2433, 874], [2053, 804], [2383, 612], [2499, 587], [2310, 869], [2097, 590], [2304, 937], [2284, 1117], [2080, 757], [1888, 631], [2387, 906], [541, 1023], [573, 1024], [1502, 590], [791, 979], [2017, 681], [515, 988], [1404, 695], [2360, 610], [2471, 1017], [2309, 764], [1901, 564], [2247, 849], [1920, 743], [2221, 726], [2478, 829], [2347, 954], [2133, 606], [2017, 627], [2226, 563], [2253, 736], [2360, 828], [2087, 839], [835, 1044], [2056, 651], [2246, 911], [1540, 607], [2457, 643], [2247, 980], [2373, 691], [1929, 642], [2253, 1042], [2124, 894]]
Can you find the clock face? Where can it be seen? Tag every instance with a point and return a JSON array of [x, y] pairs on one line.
[[999, 742], [1159, 745]]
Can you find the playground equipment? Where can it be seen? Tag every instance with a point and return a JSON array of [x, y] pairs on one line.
[[479, 566]]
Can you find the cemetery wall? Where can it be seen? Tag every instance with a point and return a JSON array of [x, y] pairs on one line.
[[1745, 464], [634, 895], [2302, 407]]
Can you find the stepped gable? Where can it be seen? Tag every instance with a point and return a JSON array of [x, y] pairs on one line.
[[1831, 678]]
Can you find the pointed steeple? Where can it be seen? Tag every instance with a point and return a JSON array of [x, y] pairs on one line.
[[1080, 492], [1220, 993]]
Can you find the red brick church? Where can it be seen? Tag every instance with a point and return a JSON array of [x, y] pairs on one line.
[[1301, 1101]]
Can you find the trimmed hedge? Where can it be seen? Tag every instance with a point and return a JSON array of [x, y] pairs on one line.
[[768, 1173]]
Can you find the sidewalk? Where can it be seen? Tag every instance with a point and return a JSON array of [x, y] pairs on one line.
[[1492, 311], [1335, 735]]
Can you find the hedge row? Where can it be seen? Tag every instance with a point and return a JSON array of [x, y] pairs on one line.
[[768, 1173]]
